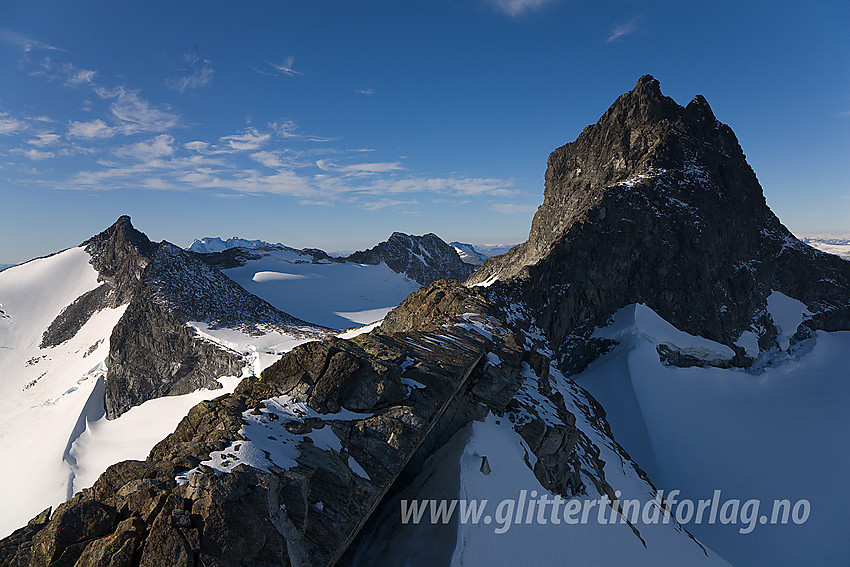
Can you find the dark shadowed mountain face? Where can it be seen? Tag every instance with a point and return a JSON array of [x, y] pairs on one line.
[[656, 204], [424, 259]]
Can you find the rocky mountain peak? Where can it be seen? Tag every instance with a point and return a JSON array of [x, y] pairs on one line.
[[122, 235], [120, 254], [423, 259], [656, 204]]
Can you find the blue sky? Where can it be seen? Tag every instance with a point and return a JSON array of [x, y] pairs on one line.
[[332, 124]]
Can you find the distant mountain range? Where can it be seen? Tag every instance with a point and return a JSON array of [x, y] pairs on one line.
[[839, 246], [473, 254]]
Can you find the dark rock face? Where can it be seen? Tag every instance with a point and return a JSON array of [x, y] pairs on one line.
[[656, 204], [424, 259], [119, 254], [313, 511], [153, 352], [73, 317]]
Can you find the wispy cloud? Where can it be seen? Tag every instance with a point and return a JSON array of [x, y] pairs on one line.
[[250, 139], [365, 91], [158, 147], [10, 125], [78, 76], [360, 168], [516, 8], [512, 208], [456, 186], [25, 42], [271, 160], [34, 154], [385, 203], [624, 29], [72, 75], [92, 130], [285, 129], [274, 159], [135, 114], [284, 68], [44, 139], [199, 77]]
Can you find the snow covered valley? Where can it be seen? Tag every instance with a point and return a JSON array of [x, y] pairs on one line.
[[336, 295], [774, 432]]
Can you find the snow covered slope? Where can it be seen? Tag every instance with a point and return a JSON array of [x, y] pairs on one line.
[[775, 431], [44, 392], [52, 421], [333, 294], [455, 473]]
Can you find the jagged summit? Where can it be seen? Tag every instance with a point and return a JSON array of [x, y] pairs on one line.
[[423, 258], [656, 204], [122, 233], [645, 135]]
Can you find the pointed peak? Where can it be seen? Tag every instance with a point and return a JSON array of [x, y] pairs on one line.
[[648, 84], [644, 105], [123, 231], [699, 108]]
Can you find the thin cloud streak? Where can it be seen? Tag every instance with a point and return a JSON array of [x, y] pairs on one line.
[[25, 42], [624, 29], [285, 68], [515, 8], [200, 78]]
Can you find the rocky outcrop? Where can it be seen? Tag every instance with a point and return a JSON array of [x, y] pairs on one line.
[[424, 259], [289, 469], [196, 292], [120, 255], [656, 204], [153, 353]]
